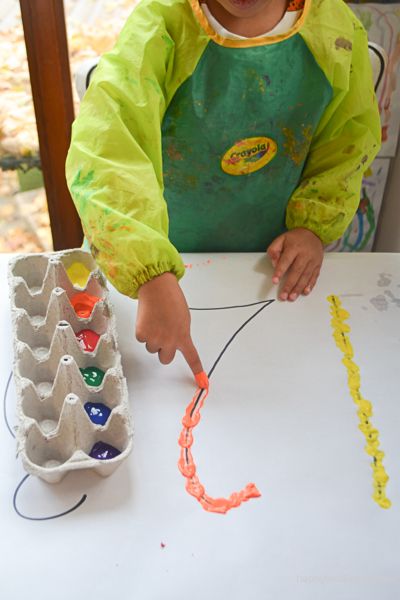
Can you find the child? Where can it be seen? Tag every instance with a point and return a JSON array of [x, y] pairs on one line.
[[235, 125]]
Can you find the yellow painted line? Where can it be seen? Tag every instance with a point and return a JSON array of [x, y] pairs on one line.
[[364, 412]]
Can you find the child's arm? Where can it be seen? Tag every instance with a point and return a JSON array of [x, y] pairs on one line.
[[114, 165], [163, 321], [114, 172], [346, 142]]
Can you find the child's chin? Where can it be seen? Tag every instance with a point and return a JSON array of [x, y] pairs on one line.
[[243, 8]]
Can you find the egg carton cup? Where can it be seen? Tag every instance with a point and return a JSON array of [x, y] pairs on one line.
[[55, 433], [52, 456]]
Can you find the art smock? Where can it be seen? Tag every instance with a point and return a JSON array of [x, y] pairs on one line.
[[187, 140]]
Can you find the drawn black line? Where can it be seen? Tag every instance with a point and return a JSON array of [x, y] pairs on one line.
[[234, 306], [229, 342], [265, 303], [66, 512], [5, 406]]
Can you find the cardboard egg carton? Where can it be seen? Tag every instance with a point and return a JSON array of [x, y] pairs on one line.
[[55, 433]]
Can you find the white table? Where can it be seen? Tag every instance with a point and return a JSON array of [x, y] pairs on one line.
[[279, 413]]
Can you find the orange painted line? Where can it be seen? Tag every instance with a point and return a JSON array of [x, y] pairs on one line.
[[187, 465]]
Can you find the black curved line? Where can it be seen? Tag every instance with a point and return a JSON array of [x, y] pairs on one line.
[[265, 304], [5, 407], [382, 65], [66, 512], [89, 75], [234, 306], [84, 497]]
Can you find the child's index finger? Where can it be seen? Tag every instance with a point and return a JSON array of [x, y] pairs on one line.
[[192, 357]]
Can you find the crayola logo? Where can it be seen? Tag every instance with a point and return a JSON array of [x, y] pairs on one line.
[[248, 155]]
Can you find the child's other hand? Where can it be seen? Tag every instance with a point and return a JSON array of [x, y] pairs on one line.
[[163, 321], [298, 253]]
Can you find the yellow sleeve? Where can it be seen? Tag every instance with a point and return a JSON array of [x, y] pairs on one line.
[[346, 142], [114, 165]]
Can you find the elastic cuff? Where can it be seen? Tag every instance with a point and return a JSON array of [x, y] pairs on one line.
[[328, 228], [153, 271]]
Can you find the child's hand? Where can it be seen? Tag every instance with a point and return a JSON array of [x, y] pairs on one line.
[[163, 321], [298, 253]]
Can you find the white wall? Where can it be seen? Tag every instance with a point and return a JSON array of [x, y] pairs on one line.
[[387, 237]]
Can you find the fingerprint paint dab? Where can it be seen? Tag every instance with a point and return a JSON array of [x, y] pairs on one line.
[[365, 411]]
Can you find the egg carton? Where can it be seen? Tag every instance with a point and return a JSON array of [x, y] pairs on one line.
[[71, 402]]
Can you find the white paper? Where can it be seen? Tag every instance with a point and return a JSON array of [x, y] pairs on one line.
[[279, 413]]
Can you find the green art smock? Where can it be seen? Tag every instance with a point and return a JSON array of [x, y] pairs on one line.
[[188, 141]]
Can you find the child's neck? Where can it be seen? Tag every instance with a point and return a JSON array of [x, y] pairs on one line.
[[252, 26]]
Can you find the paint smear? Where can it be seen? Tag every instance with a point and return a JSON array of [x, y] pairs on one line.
[[379, 302], [78, 274], [365, 411], [384, 279], [186, 463], [297, 148], [103, 451], [83, 304], [97, 412], [87, 339], [93, 376], [393, 298], [343, 43]]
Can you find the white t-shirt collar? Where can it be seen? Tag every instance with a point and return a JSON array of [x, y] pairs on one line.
[[284, 25]]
